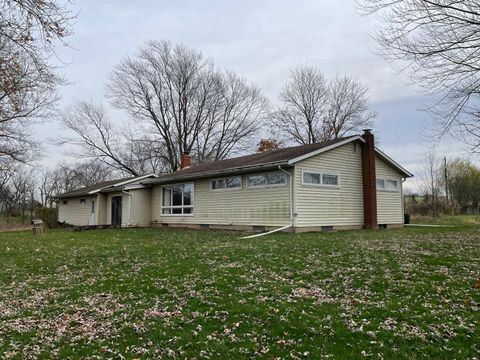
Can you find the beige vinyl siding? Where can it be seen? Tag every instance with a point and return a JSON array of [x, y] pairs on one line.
[[389, 203], [101, 209], [140, 207], [326, 206], [73, 212], [126, 221], [265, 206]]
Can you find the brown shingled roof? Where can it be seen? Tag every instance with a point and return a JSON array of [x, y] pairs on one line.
[[254, 162], [265, 160], [86, 190], [102, 186]]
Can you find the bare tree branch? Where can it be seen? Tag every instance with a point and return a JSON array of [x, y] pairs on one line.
[[188, 105], [314, 109], [439, 41], [28, 32]]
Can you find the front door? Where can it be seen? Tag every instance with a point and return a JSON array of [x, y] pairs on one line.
[[116, 210], [91, 216]]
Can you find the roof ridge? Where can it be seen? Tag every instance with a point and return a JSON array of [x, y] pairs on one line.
[[269, 152]]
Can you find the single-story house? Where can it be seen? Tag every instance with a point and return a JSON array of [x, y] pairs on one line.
[[346, 183]]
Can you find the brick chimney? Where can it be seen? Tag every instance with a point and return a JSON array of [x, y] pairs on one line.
[[185, 160], [369, 181]]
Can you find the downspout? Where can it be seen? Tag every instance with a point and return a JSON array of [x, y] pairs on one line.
[[131, 208], [291, 210], [403, 200], [290, 195]]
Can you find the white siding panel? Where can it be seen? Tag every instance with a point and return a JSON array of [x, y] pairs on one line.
[[323, 206], [141, 207], [73, 212], [101, 209], [267, 206], [389, 203]]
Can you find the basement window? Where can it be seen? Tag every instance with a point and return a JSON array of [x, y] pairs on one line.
[[227, 183], [177, 199], [320, 178]]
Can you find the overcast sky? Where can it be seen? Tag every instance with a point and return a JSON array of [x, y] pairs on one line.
[[259, 40]]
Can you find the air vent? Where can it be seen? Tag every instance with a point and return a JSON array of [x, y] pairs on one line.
[[327, 228], [258, 229]]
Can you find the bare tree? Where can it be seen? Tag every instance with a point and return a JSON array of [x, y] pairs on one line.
[[98, 137], [47, 186], [186, 102], [28, 31], [66, 177], [314, 109], [89, 173], [348, 108], [8, 167], [439, 41], [431, 177], [17, 193], [23, 186]]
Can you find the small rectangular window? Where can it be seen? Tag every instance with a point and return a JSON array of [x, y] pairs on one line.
[[271, 179], [328, 179], [82, 201], [391, 184], [65, 202], [380, 184], [320, 178], [276, 178], [312, 178], [227, 183], [257, 180]]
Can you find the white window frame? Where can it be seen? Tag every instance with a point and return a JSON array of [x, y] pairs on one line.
[[171, 207], [385, 185], [321, 173], [267, 185], [227, 188]]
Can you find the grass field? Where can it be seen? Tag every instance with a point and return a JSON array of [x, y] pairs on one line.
[[456, 220], [146, 293], [14, 222]]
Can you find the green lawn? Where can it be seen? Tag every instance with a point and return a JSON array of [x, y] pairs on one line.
[[147, 293]]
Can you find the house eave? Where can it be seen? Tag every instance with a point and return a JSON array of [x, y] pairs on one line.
[[325, 149], [225, 172], [393, 163]]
